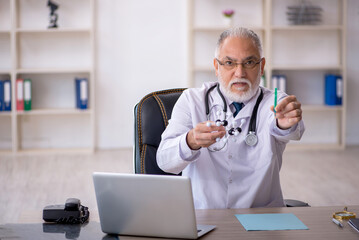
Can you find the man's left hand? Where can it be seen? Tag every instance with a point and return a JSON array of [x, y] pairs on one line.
[[288, 112]]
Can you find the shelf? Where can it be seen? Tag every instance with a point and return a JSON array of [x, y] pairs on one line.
[[53, 70], [310, 68], [284, 68], [307, 28], [54, 112], [46, 151], [5, 114], [315, 146], [298, 51], [221, 29], [5, 152], [322, 108], [53, 30], [52, 58]]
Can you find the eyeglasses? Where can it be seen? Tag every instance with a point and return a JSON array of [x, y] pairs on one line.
[[229, 64]]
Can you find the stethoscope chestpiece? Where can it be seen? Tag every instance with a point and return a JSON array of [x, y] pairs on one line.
[[251, 139]]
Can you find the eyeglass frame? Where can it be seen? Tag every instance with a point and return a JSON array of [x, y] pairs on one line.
[[237, 64]]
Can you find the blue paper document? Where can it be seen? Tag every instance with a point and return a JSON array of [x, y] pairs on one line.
[[273, 221]]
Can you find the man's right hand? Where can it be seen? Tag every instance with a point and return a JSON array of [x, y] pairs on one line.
[[203, 135]]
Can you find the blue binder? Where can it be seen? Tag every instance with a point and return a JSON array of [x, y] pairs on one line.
[[7, 95], [81, 85], [333, 90], [1, 95]]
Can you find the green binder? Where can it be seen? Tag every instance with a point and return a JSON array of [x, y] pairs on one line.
[[27, 94]]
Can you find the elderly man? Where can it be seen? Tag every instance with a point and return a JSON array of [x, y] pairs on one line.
[[233, 162]]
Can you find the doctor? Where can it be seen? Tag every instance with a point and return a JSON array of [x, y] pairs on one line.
[[237, 174]]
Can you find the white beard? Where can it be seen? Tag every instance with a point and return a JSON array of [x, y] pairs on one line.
[[239, 97]]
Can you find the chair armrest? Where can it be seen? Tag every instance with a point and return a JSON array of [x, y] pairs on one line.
[[295, 203]]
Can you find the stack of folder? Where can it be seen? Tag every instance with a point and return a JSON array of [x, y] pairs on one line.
[[279, 82], [23, 94]]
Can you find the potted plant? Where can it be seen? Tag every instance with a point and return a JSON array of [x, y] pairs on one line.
[[228, 17]]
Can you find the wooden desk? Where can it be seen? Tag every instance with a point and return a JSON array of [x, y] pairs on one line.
[[317, 219]]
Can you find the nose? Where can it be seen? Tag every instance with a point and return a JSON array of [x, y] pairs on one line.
[[240, 72]]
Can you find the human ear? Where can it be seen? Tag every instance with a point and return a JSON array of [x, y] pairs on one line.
[[262, 65], [215, 64]]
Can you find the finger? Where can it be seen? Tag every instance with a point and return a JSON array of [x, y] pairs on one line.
[[294, 113], [290, 113], [293, 106], [205, 127], [284, 102], [293, 121], [207, 137], [286, 123], [289, 107], [272, 108]]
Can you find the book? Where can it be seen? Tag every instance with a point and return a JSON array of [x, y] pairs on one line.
[[263, 81], [27, 94], [20, 94], [279, 82], [1, 95], [282, 83], [7, 95], [333, 90], [81, 85], [274, 82], [354, 223]]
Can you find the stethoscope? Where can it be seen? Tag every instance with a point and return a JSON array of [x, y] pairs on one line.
[[251, 138]]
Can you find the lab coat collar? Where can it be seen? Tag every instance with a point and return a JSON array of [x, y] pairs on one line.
[[246, 111]]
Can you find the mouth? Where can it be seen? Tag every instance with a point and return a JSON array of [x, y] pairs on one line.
[[240, 85]]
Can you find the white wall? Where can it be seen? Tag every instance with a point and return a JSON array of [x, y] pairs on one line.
[[141, 47], [353, 73]]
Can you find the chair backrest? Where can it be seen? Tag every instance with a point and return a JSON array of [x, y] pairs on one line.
[[151, 118]]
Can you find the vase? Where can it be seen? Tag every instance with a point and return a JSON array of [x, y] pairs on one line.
[[227, 21]]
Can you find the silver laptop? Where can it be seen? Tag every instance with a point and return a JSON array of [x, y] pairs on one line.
[[147, 205]]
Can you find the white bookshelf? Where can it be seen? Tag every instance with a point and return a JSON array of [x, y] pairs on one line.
[[52, 59], [304, 53]]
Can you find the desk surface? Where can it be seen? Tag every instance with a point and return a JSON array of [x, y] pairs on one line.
[[317, 219]]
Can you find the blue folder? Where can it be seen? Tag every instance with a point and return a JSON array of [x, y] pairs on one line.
[[7, 95], [270, 221], [82, 92], [333, 89]]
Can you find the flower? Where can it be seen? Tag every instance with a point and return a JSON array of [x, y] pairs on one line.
[[228, 12]]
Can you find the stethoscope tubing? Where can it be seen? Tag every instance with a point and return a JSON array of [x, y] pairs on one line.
[[252, 124]]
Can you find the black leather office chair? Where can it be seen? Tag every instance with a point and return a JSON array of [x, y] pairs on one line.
[[151, 118]]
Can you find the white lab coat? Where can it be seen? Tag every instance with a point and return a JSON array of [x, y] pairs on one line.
[[238, 176]]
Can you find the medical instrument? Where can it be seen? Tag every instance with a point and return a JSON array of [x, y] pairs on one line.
[[344, 215], [337, 222], [275, 100], [251, 138]]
